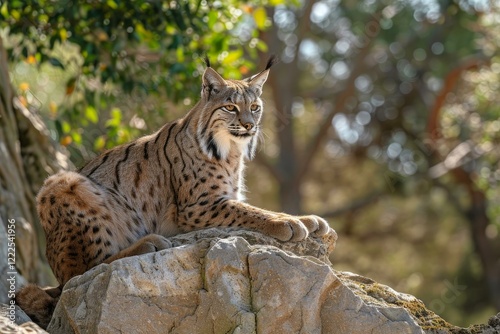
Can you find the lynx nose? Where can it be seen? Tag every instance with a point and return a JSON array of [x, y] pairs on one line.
[[248, 126]]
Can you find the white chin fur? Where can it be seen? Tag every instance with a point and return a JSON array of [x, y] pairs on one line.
[[223, 139]]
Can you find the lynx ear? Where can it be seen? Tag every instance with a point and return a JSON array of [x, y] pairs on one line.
[[212, 78], [212, 82], [259, 79]]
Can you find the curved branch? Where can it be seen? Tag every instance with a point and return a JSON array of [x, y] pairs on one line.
[[354, 205], [450, 83]]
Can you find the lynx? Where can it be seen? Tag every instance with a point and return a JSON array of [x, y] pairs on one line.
[[186, 176]]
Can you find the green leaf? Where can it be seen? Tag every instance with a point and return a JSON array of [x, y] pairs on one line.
[[65, 127], [233, 56], [212, 19], [77, 138], [99, 143], [91, 114], [116, 118], [261, 46], [4, 10], [116, 113], [180, 54], [112, 4], [260, 17], [15, 14], [63, 34]]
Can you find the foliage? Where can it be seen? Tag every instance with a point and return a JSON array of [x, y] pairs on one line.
[[115, 48]]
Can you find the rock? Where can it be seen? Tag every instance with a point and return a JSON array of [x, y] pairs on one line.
[[235, 281], [201, 285], [21, 325]]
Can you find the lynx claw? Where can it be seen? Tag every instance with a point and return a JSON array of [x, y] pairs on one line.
[[316, 225], [290, 228]]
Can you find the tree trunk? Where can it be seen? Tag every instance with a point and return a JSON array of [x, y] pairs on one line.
[[27, 157], [487, 248], [287, 165], [284, 83]]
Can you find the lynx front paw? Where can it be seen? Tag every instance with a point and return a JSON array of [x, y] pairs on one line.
[[316, 225], [291, 228], [285, 228]]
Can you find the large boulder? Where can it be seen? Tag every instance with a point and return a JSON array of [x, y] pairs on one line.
[[230, 281]]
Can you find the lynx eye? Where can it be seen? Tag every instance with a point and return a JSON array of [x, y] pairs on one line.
[[255, 108], [230, 108]]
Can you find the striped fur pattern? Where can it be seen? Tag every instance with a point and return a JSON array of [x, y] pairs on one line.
[[186, 176]]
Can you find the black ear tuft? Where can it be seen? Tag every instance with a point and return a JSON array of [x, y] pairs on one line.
[[206, 60], [272, 61]]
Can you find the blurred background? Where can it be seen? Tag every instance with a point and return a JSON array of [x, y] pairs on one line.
[[382, 116]]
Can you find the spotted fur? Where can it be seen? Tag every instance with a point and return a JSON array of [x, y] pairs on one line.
[[186, 176]]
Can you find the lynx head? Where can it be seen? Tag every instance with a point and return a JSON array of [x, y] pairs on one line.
[[231, 115]]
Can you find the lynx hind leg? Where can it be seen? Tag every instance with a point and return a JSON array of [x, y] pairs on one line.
[[38, 303], [148, 244], [80, 222]]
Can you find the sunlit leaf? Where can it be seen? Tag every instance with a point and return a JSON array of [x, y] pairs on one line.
[[65, 127], [99, 143], [180, 54], [233, 56], [112, 4], [77, 137], [63, 34], [261, 46], [116, 113], [260, 17], [91, 114], [212, 18], [4, 10], [15, 14]]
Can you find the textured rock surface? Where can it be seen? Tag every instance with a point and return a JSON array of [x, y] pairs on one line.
[[211, 281], [222, 281], [215, 281], [22, 324]]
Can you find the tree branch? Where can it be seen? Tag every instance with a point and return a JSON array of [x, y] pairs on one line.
[[355, 205], [450, 83]]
